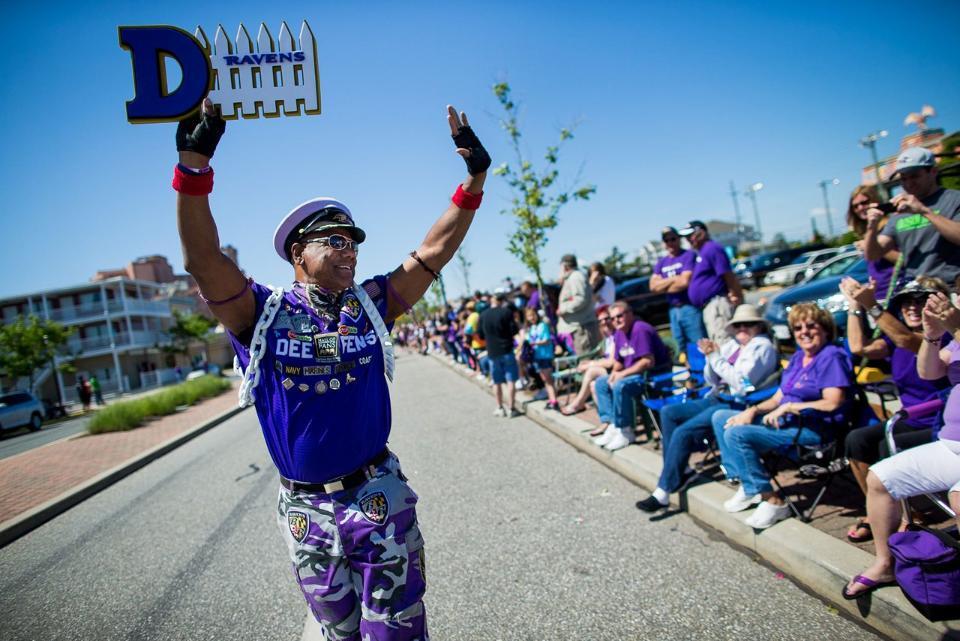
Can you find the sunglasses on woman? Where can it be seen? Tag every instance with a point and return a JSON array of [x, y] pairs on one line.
[[799, 327], [334, 241], [743, 325]]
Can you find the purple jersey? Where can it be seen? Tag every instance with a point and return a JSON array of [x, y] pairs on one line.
[[913, 389], [708, 270], [951, 413], [322, 399], [669, 266], [642, 341], [830, 367], [881, 271]]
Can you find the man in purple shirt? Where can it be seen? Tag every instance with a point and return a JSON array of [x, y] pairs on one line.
[[671, 275], [713, 286], [637, 348], [316, 359]]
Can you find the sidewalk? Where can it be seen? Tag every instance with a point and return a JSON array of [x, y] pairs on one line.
[[812, 556], [37, 485]]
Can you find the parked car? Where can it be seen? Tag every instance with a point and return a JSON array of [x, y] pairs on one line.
[[645, 304], [822, 288], [18, 409], [802, 266], [751, 271]]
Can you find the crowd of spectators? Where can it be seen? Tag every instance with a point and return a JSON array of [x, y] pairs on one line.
[[905, 316]]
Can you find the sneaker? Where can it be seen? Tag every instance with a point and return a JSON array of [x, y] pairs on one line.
[[620, 439], [519, 384], [606, 436], [767, 514], [500, 412], [650, 504], [513, 413], [740, 501]]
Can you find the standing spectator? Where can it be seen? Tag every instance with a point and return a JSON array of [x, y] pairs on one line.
[[604, 291], [880, 270], [671, 275], [576, 311], [83, 392], [902, 326], [926, 226], [97, 390], [497, 327], [637, 349], [541, 340], [713, 286], [471, 338]]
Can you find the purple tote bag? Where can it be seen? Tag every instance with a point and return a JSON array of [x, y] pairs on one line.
[[927, 568]]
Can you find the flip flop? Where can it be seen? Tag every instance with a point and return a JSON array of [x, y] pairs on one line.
[[869, 583], [860, 525], [566, 411]]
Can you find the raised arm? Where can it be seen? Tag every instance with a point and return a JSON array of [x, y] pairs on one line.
[[876, 245], [412, 278], [220, 281]]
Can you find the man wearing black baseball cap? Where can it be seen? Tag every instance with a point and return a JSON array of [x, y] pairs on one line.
[[926, 226], [671, 275], [713, 286], [316, 360]]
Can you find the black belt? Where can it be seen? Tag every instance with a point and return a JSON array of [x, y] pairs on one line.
[[346, 482]]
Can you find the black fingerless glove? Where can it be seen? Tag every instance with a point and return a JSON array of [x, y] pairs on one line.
[[200, 134], [479, 160]]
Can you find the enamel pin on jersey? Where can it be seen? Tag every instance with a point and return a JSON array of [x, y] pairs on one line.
[[245, 79]]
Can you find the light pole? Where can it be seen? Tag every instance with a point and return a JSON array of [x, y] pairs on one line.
[[870, 141], [751, 193], [826, 202], [736, 212]]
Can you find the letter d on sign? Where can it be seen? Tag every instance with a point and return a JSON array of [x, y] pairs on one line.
[[153, 102]]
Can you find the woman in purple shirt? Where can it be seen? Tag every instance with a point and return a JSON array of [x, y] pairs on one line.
[[902, 327], [933, 467], [816, 378], [863, 219]]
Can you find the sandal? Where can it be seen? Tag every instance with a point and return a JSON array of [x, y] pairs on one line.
[[570, 410], [853, 535], [869, 583]]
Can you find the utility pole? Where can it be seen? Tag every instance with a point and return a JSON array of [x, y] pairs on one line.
[[751, 193], [826, 202], [870, 141], [736, 213]]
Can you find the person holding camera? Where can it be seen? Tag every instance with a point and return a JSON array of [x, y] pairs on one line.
[[316, 359], [925, 221]]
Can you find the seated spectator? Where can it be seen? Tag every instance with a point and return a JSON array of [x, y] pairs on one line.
[[604, 291], [902, 327], [540, 337], [593, 369], [862, 214], [637, 350], [817, 378], [933, 467], [926, 225], [735, 368]]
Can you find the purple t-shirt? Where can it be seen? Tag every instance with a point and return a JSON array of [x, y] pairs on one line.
[[881, 271], [830, 367], [913, 389], [669, 266], [951, 413], [642, 341], [322, 400], [708, 270]]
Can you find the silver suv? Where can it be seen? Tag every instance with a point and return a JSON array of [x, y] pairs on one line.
[[18, 409]]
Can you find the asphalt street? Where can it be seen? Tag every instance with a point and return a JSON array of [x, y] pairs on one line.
[[21, 440], [526, 539]]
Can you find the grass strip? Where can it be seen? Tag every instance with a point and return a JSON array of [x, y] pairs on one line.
[[126, 415]]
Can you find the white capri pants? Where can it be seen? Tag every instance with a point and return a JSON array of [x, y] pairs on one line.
[[929, 468]]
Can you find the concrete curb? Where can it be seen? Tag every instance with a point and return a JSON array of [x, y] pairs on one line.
[[817, 561], [16, 527]]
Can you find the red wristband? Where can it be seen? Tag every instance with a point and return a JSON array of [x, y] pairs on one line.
[[466, 200], [192, 184]]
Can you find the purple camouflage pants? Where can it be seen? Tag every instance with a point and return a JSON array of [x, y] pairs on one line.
[[358, 557]]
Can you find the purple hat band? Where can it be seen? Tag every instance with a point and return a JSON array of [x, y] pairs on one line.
[[300, 214]]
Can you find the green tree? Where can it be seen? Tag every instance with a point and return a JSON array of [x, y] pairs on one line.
[[463, 262], [537, 198], [615, 262], [949, 164], [28, 345], [188, 328]]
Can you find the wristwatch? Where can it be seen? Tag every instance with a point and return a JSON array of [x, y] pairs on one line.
[[857, 312], [875, 312]]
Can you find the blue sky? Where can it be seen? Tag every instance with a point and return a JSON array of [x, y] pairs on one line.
[[674, 100]]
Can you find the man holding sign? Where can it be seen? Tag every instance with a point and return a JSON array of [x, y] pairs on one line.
[[316, 360]]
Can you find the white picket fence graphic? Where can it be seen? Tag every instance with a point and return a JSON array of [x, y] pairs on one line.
[[265, 89]]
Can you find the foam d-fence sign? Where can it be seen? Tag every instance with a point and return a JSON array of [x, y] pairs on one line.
[[266, 79]]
